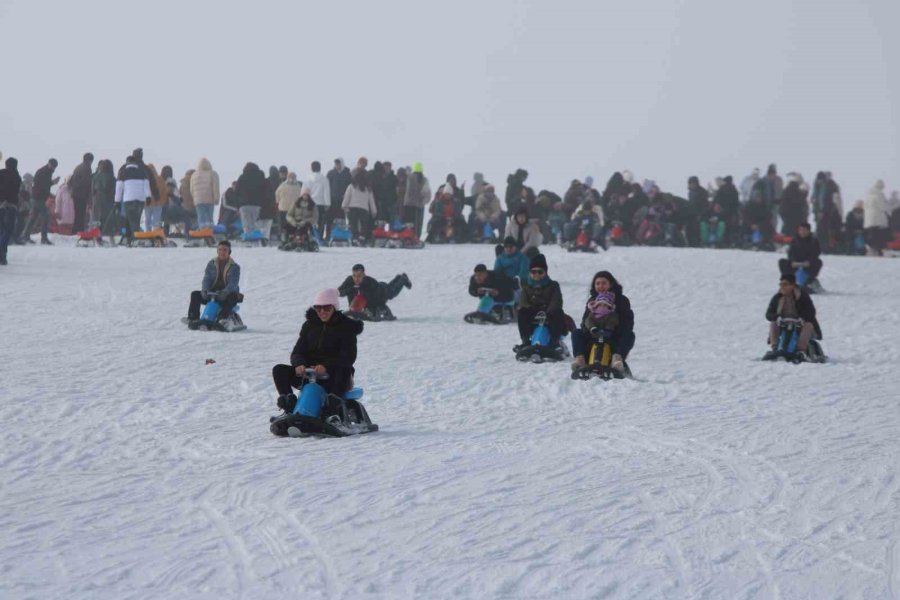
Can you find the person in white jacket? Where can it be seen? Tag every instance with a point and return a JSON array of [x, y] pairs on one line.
[[319, 189], [132, 193], [876, 220], [287, 193], [359, 204]]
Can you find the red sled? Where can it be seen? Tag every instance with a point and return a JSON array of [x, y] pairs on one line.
[[91, 237], [405, 237]]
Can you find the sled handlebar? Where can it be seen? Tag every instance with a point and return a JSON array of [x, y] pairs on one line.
[[312, 376]]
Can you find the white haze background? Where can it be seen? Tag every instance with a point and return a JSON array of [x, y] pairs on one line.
[[564, 89]]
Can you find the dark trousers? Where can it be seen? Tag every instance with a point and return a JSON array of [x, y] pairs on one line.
[[8, 215], [555, 321], [80, 204], [359, 222], [815, 265], [38, 213], [286, 379], [227, 303]]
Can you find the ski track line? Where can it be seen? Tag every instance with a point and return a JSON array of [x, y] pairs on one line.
[[332, 582]]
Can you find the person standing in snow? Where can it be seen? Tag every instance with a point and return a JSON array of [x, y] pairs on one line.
[[416, 197], [40, 192], [252, 189], [359, 205], [80, 186], [339, 179], [286, 195], [205, 192], [133, 191], [747, 184], [319, 189], [10, 185], [221, 277], [876, 218]]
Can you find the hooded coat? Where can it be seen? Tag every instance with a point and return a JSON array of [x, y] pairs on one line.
[[288, 192], [878, 208], [252, 187], [205, 184]]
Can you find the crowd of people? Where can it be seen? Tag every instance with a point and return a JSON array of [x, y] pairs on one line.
[[760, 212]]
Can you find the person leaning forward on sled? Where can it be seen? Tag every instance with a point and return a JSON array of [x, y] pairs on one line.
[[792, 302], [375, 293], [222, 277], [327, 343], [541, 294]]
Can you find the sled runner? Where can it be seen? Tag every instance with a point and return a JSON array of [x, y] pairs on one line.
[[317, 413]]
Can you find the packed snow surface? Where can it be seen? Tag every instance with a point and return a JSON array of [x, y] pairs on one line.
[[132, 469]]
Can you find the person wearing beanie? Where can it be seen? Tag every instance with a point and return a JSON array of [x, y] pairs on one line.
[[368, 297], [540, 294], [805, 252], [10, 184], [605, 287], [791, 302], [221, 278], [327, 343], [511, 261]]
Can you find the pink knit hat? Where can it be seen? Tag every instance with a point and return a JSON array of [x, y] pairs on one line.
[[327, 296]]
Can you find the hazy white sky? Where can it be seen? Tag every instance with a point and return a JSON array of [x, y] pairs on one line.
[[665, 88]]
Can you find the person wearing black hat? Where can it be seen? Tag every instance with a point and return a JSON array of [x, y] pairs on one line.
[[10, 184], [368, 297], [40, 191], [541, 294], [804, 251], [792, 302]]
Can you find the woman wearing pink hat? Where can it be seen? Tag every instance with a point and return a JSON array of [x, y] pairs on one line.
[[327, 343]]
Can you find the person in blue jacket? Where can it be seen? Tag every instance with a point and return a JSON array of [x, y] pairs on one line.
[[222, 277], [511, 261]]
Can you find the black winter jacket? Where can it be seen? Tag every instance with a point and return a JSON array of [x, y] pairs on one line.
[[10, 183], [330, 343], [497, 281], [804, 250], [368, 287], [805, 308]]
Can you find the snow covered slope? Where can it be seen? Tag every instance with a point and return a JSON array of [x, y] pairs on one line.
[[131, 469]]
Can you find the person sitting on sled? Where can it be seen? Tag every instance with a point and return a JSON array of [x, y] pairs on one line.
[[620, 321], [222, 277], [541, 294], [792, 302], [491, 283], [327, 343], [511, 261], [805, 252], [366, 294]]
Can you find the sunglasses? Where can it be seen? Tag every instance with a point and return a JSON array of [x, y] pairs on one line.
[[538, 271], [323, 307]]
